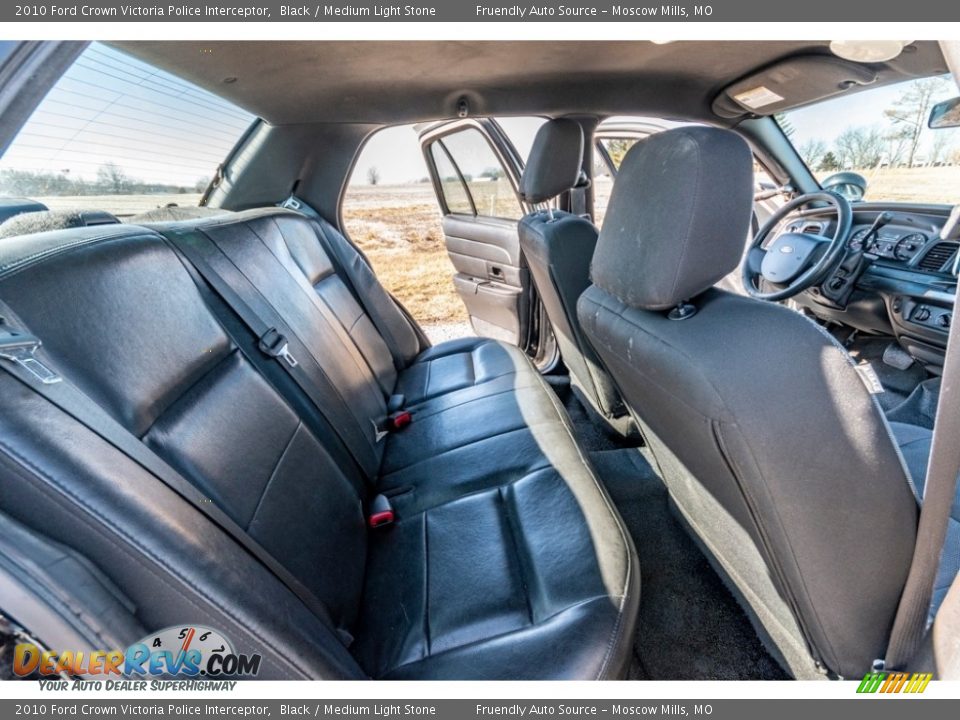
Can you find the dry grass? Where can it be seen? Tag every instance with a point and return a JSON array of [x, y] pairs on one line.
[[399, 230], [119, 205], [923, 185]]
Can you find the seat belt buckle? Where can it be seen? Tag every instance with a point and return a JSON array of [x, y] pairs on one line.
[[380, 513], [399, 420], [274, 344], [20, 348]]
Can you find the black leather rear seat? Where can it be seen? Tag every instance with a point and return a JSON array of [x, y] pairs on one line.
[[507, 559]]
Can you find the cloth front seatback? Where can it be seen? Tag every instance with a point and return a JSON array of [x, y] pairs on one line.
[[771, 446], [558, 247]]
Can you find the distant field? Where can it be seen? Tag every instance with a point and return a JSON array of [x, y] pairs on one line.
[[399, 229], [924, 185], [119, 204]]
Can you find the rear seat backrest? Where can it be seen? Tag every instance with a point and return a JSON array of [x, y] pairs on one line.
[[255, 248], [124, 321], [300, 241]]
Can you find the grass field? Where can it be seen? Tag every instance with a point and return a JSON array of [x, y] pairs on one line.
[[399, 229], [923, 185]]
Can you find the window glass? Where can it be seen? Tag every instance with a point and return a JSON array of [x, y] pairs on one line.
[[454, 192], [881, 134], [489, 186], [120, 135], [521, 131], [616, 148]]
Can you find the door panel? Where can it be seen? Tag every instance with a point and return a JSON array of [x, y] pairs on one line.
[[490, 279], [475, 172]]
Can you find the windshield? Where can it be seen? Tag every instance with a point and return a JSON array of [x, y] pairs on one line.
[[882, 134], [117, 134]]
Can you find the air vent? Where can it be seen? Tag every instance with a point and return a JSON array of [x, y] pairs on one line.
[[937, 256]]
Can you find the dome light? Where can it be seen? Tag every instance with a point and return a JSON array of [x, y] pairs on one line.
[[868, 51]]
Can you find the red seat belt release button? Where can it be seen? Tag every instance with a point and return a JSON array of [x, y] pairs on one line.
[[380, 513], [399, 420]]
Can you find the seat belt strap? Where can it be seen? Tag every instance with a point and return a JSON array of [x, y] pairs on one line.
[[275, 339], [19, 357], [910, 623]]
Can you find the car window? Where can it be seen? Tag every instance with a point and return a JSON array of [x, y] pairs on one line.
[[616, 148], [486, 180], [120, 135], [610, 149], [452, 184], [521, 131]]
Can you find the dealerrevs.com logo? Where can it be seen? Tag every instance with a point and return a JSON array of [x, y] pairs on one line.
[[191, 652]]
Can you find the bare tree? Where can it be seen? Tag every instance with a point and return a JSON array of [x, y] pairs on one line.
[[373, 175], [897, 141], [860, 147], [941, 146], [812, 151], [909, 112], [112, 179]]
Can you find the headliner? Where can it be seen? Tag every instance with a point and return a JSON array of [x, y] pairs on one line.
[[407, 81]]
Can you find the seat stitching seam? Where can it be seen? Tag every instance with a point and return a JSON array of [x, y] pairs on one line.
[[187, 390], [273, 474], [515, 544], [468, 444]]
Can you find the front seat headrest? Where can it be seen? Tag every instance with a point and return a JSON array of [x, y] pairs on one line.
[[678, 217], [554, 163]]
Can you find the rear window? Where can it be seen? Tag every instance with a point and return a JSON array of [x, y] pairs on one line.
[[120, 135]]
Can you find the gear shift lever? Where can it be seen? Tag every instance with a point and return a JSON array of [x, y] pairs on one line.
[[951, 228], [883, 218]]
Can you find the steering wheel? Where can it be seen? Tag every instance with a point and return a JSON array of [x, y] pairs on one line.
[[795, 261]]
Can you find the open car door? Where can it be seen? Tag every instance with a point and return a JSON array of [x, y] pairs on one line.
[[475, 171]]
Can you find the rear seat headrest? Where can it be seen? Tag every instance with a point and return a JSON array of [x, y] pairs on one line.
[[44, 220], [554, 163], [678, 217]]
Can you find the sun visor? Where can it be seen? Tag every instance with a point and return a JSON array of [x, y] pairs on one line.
[[790, 83]]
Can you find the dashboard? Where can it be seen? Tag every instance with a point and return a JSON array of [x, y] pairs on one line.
[[902, 285]]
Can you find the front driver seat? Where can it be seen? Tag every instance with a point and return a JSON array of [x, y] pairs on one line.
[[773, 450], [558, 246]]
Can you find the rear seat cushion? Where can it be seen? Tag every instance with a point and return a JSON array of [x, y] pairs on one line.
[[510, 582], [458, 364]]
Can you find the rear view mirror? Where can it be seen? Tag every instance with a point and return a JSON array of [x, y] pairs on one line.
[[945, 114]]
